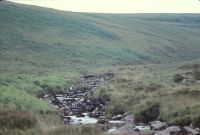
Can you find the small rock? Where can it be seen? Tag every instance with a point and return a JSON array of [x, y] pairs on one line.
[[175, 130], [118, 117], [125, 130], [191, 130], [158, 125], [141, 128], [102, 121], [129, 119]]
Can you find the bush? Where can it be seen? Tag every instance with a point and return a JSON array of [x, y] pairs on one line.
[[104, 95], [116, 108], [178, 78], [148, 113]]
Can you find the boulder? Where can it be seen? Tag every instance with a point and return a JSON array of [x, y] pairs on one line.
[[158, 125]]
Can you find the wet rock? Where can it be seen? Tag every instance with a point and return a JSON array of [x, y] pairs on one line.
[[141, 128], [188, 81], [79, 100], [158, 125], [55, 101], [125, 130], [173, 130], [191, 131], [118, 117], [67, 120], [126, 114], [80, 115], [129, 119], [102, 121]]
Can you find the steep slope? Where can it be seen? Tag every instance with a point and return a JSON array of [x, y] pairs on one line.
[[35, 39]]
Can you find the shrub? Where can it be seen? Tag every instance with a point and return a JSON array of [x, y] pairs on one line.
[[104, 95], [148, 113], [178, 78], [116, 108]]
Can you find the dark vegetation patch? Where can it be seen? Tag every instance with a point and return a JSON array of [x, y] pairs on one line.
[[139, 87], [153, 87], [193, 66], [17, 119], [196, 74], [186, 120], [116, 108], [187, 92], [196, 121], [149, 112], [181, 121], [104, 95], [178, 78], [48, 89]]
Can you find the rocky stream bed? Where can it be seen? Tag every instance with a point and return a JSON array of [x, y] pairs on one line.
[[80, 106]]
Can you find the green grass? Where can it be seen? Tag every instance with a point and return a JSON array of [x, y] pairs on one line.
[[30, 35], [44, 50], [137, 88]]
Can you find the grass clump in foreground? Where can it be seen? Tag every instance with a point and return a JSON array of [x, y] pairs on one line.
[[16, 119], [75, 130], [14, 122]]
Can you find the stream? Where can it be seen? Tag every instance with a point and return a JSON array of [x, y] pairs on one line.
[[80, 106]]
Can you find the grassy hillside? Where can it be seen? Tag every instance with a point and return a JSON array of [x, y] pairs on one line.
[[44, 50], [30, 35], [139, 88]]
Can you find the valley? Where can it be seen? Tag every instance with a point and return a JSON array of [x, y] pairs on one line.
[[88, 73]]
